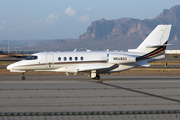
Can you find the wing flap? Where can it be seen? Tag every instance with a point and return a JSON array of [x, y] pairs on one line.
[[98, 69], [143, 63]]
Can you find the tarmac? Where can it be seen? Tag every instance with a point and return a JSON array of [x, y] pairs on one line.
[[80, 93]]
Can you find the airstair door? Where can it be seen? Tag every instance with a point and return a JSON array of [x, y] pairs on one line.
[[49, 61]]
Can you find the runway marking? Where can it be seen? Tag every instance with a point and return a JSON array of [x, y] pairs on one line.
[[150, 94], [62, 89], [70, 105], [19, 97], [88, 88]]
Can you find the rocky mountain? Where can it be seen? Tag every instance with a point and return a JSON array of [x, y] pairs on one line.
[[171, 16], [118, 34], [129, 33]]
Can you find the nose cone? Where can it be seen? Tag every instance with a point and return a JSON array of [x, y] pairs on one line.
[[10, 67]]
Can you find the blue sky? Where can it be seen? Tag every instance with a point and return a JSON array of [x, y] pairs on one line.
[[60, 19]]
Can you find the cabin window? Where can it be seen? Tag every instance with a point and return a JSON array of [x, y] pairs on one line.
[[59, 58], [32, 57], [70, 58], [65, 58], [82, 58], [76, 58]]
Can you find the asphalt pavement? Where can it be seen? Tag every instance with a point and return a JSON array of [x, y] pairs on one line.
[[79, 93]]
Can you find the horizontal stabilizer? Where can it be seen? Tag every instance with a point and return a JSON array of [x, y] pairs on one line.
[[155, 46]]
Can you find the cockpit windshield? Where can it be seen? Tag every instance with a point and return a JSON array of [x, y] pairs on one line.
[[32, 57]]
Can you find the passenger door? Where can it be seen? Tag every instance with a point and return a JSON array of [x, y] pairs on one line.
[[49, 61]]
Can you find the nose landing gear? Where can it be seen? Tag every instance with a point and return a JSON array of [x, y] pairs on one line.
[[23, 77]]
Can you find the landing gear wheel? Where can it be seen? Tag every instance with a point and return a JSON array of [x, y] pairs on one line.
[[23, 78], [97, 77]]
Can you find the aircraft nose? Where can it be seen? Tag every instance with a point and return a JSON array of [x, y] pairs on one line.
[[10, 67]]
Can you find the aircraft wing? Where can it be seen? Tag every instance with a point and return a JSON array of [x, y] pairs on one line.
[[143, 63], [98, 69]]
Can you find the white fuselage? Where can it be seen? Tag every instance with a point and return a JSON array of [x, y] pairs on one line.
[[74, 62]]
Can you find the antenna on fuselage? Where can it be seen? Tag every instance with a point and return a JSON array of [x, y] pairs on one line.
[[75, 50], [9, 46], [107, 49]]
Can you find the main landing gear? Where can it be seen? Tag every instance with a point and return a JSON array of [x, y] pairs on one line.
[[97, 77], [23, 77]]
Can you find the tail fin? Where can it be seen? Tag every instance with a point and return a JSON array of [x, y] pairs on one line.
[[159, 36], [155, 44]]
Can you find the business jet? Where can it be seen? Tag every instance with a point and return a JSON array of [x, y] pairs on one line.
[[94, 63]]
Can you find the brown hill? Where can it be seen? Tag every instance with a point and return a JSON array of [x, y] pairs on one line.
[[129, 33]]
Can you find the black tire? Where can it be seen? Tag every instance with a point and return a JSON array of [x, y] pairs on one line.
[[23, 78], [97, 77]]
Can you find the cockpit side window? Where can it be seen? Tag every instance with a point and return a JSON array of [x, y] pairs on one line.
[[32, 57]]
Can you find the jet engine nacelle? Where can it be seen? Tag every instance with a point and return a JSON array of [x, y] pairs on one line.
[[120, 58]]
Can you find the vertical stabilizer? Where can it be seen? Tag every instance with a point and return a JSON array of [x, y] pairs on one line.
[[159, 36], [157, 39]]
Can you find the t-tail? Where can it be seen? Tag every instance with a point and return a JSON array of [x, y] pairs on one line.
[[155, 44]]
